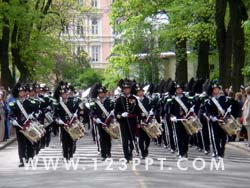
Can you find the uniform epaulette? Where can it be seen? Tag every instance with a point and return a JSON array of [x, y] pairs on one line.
[[31, 100], [169, 100], [91, 104], [54, 102], [11, 104], [41, 99], [190, 98]]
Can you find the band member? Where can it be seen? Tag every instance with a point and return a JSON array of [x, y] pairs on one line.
[[216, 108], [63, 118], [145, 105], [204, 121], [179, 109], [32, 96], [101, 111], [127, 112], [246, 114], [168, 127], [18, 119]]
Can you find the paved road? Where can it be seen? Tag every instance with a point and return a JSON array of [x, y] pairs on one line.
[[92, 172]]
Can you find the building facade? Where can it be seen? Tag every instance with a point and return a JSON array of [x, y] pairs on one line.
[[92, 32]]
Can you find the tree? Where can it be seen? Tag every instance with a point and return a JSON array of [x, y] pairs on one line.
[[6, 76], [230, 41], [30, 34], [188, 21]]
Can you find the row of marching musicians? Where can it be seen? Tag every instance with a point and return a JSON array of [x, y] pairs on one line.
[[176, 117], [132, 116], [35, 113]]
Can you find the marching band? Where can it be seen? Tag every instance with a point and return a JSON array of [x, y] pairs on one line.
[[197, 114]]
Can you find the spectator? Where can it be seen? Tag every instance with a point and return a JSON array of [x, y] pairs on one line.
[[9, 99], [246, 114], [2, 116]]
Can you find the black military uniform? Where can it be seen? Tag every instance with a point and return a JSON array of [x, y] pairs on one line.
[[25, 147], [218, 135], [167, 115], [178, 112], [45, 107], [68, 144], [101, 120], [35, 100], [201, 111], [127, 112], [144, 140]]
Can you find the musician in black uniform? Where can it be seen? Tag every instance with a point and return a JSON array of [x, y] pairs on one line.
[[62, 118], [45, 107], [127, 112], [18, 119], [177, 111], [216, 106], [201, 112], [169, 128], [144, 140], [101, 111], [32, 96]]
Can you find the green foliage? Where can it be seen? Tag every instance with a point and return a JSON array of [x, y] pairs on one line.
[[192, 20], [39, 24], [88, 77]]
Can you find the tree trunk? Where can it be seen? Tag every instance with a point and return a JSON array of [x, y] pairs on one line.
[[223, 43], [203, 60], [6, 76], [181, 74], [238, 14], [16, 57]]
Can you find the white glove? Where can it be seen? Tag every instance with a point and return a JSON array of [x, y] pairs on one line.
[[191, 109], [229, 110], [98, 121], [74, 115], [112, 113], [30, 116], [125, 114], [173, 119], [214, 119], [15, 123], [151, 113], [37, 114], [60, 122]]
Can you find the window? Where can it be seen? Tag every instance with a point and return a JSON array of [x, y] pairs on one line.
[[95, 54], [80, 2], [65, 29], [94, 26], [79, 49], [79, 29], [94, 3]]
